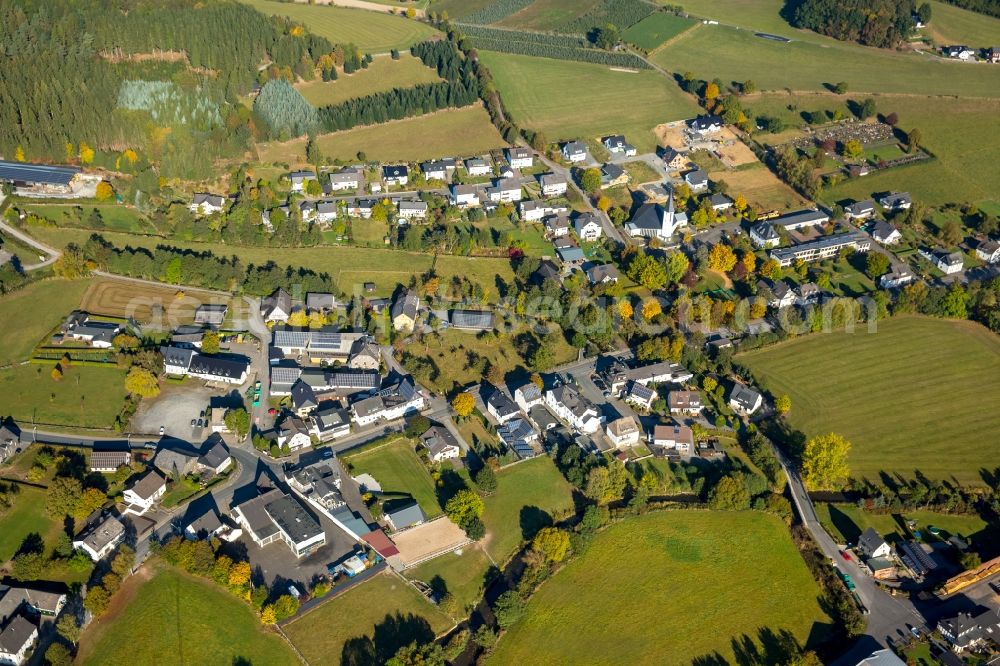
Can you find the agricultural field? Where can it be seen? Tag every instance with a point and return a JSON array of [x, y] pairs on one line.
[[953, 25], [846, 522], [366, 624], [164, 307], [738, 573], [656, 29], [372, 32], [350, 266], [458, 9], [114, 217], [737, 55], [547, 15], [177, 605], [854, 384], [446, 133], [86, 396], [398, 469], [536, 91], [459, 573], [48, 301], [528, 496], [382, 74], [762, 189]]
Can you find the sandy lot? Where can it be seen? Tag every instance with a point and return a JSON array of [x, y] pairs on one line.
[[161, 307], [761, 188], [430, 539], [671, 134]]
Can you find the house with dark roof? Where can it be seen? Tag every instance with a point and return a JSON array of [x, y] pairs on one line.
[[871, 544], [397, 174], [440, 443], [776, 294], [639, 395], [99, 334], [860, 210], [330, 423], [567, 403], [499, 405], [885, 233], [304, 400], [205, 526], [293, 432], [520, 157], [216, 457], [141, 497], [518, 434], [527, 396], [588, 227], [16, 640], [274, 516], [988, 251], [967, 631], [211, 314], [653, 220], [277, 306], [108, 462], [404, 311], [176, 460], [99, 538], [720, 202], [697, 180], [556, 226], [574, 151], [764, 235], [613, 175], [602, 274], [318, 301], [317, 480], [896, 201], [204, 203], [10, 439], [45, 178], [547, 270], [408, 515], [706, 124], [744, 400], [674, 159]]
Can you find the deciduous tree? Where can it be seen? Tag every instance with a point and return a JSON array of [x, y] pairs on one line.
[[463, 404], [552, 543], [142, 382], [824, 462]]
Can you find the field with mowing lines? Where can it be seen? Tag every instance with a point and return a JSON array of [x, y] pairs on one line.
[[536, 91], [761, 188], [383, 74], [737, 55], [373, 32], [953, 25], [655, 29], [858, 384], [170, 306], [451, 132], [738, 573]]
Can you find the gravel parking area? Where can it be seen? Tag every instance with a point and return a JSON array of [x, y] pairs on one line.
[[173, 409]]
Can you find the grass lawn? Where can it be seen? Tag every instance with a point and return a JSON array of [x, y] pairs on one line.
[[87, 396], [366, 624], [115, 217], [536, 91], [26, 516], [761, 15], [870, 389], [398, 469], [48, 301], [374, 32], [738, 55], [382, 74], [663, 578], [655, 29], [350, 266], [452, 132], [954, 25], [463, 576], [528, 495], [179, 606], [846, 522], [640, 172], [547, 15]]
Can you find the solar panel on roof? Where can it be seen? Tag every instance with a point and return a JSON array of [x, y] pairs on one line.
[[37, 173]]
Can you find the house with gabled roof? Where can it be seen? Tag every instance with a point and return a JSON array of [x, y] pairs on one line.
[[520, 157], [277, 306], [204, 203], [697, 180], [653, 220], [574, 151], [744, 400], [395, 174], [527, 396], [988, 251], [440, 444], [143, 494], [602, 274], [553, 185], [300, 179], [860, 210], [885, 233], [499, 405], [673, 437], [404, 311], [896, 201], [346, 179], [623, 432], [706, 124], [639, 395], [567, 403], [100, 537], [685, 402], [477, 166], [588, 227]]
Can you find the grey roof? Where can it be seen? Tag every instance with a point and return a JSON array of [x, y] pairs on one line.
[[640, 391], [326, 207], [215, 455], [183, 459], [696, 177], [404, 516], [407, 304], [542, 417], [500, 403], [219, 366], [801, 218], [870, 540], [885, 657], [574, 147], [303, 395], [835, 240], [464, 189], [317, 300], [16, 634], [147, 486], [44, 174], [285, 374], [437, 165], [475, 161], [105, 459], [322, 380], [98, 535], [882, 230], [896, 199], [704, 122], [256, 516], [719, 199], [279, 299], [516, 152], [437, 438], [412, 205], [207, 523], [551, 179], [546, 270], [331, 418], [611, 172], [530, 391], [766, 231], [744, 395], [301, 175], [569, 397], [601, 272], [211, 199], [210, 313], [472, 319], [346, 176], [615, 141], [368, 406], [571, 254], [515, 430], [293, 519], [861, 207], [648, 216]]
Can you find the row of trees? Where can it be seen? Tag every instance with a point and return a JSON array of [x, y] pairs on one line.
[[881, 23]]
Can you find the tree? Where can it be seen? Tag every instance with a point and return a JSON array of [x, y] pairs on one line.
[[19, 154], [414, 654], [464, 506], [508, 609], [729, 494], [711, 92], [210, 343], [58, 654], [237, 421], [748, 87], [590, 180], [239, 574], [852, 150], [536, 379], [126, 342], [840, 88], [486, 479], [27, 566], [709, 384], [298, 319], [62, 496], [970, 560], [86, 153], [876, 264], [924, 13], [97, 600], [313, 154], [90, 500], [824, 462], [676, 265], [607, 37], [104, 191], [604, 202], [267, 615], [285, 607], [651, 309], [783, 404], [606, 483], [552, 543], [463, 404], [892, 119], [867, 108], [721, 258], [142, 382], [417, 426]]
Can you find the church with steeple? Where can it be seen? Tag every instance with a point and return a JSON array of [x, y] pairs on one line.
[[656, 221]]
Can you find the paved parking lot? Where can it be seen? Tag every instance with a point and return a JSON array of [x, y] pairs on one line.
[[173, 409], [276, 562]]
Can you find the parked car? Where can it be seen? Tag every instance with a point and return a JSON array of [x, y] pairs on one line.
[[163, 429], [194, 422], [845, 555]]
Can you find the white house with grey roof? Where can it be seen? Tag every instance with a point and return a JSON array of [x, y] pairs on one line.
[[588, 227], [553, 185], [528, 396], [275, 516], [472, 320], [764, 235], [801, 219], [860, 210], [505, 191], [99, 334], [499, 405], [101, 537], [412, 210], [346, 179], [408, 515], [477, 166], [896, 201], [204, 203], [566, 403], [520, 157], [885, 233], [396, 174], [465, 196], [143, 494], [440, 444], [697, 180], [574, 152], [16, 640], [744, 400]]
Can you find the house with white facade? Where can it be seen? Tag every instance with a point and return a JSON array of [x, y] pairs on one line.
[[141, 497], [204, 203], [101, 537], [567, 403], [673, 438], [764, 235], [465, 196], [499, 406], [346, 179], [520, 157], [397, 174], [744, 400], [527, 396], [274, 516], [505, 191], [588, 227], [623, 432], [477, 166], [574, 151], [553, 185]]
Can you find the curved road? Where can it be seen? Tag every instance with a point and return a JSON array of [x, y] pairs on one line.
[[53, 253]]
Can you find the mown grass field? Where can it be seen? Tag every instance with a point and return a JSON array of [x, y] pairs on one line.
[[737, 55], [26, 516], [37, 309], [165, 307], [366, 624], [954, 25], [915, 396], [655, 29], [115, 217], [461, 575], [87, 396], [547, 15], [196, 622], [382, 74], [350, 266], [540, 94], [398, 469], [846, 522], [526, 493], [681, 585], [370, 31], [448, 133]]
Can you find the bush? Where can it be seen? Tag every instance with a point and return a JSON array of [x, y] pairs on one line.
[[508, 609]]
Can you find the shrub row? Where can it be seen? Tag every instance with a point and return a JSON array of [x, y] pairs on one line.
[[508, 45], [497, 11], [540, 38]]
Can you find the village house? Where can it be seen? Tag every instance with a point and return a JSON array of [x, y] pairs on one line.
[[108, 462], [675, 160], [520, 157], [556, 227], [685, 402], [553, 185], [205, 526], [602, 274], [42, 600], [961, 52], [293, 433], [617, 144], [673, 438], [720, 202], [801, 219], [100, 537], [860, 210], [988, 251], [574, 151], [967, 631], [141, 497], [871, 544], [216, 458], [329, 423], [588, 227], [404, 311], [211, 314], [81, 326], [17, 638], [821, 248], [274, 516], [895, 279], [744, 400], [465, 196], [277, 306], [946, 262], [318, 301], [437, 170], [176, 459], [182, 362], [697, 180], [204, 203], [477, 166], [764, 235], [639, 395], [623, 432], [533, 211], [885, 233], [993, 54], [398, 174], [304, 400], [806, 293], [504, 191], [896, 201], [393, 402], [326, 212], [499, 406], [408, 515], [346, 179], [661, 372], [441, 445], [412, 210], [656, 221], [776, 294], [317, 345], [527, 396], [316, 478], [300, 179], [613, 175], [566, 403], [518, 435], [707, 124]]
